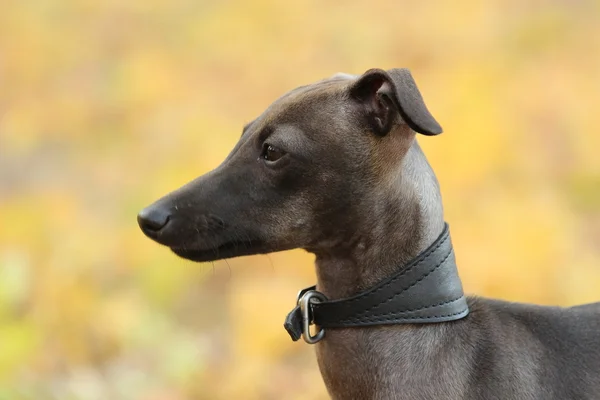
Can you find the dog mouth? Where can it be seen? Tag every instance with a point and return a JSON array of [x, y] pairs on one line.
[[226, 250]]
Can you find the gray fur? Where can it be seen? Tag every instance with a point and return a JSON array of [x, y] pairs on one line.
[[355, 189]]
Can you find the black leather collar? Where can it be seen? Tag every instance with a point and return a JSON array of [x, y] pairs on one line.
[[426, 290]]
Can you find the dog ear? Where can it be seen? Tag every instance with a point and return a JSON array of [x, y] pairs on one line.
[[385, 94]]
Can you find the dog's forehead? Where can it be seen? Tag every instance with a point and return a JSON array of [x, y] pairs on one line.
[[310, 98], [317, 90], [309, 102]]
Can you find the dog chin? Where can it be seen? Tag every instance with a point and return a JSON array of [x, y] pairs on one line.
[[226, 250]]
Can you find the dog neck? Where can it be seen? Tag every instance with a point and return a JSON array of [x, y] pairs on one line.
[[401, 221]]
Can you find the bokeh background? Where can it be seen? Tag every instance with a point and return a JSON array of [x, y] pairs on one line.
[[105, 106]]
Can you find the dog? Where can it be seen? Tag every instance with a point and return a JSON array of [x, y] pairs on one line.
[[335, 168]]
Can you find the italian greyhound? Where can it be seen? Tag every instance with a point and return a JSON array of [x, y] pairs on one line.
[[334, 168]]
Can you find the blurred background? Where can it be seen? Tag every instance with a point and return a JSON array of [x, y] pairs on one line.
[[105, 106]]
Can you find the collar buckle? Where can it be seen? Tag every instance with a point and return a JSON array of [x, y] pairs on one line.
[[306, 298]]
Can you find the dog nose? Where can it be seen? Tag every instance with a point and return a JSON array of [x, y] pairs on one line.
[[153, 219]]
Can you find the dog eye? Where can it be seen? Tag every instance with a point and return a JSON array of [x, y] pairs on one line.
[[271, 153]]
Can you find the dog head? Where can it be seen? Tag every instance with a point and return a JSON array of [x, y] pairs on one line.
[[304, 174]]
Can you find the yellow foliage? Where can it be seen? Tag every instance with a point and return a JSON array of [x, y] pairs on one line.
[[105, 106]]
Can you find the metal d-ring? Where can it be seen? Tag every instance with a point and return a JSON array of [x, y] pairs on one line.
[[308, 298]]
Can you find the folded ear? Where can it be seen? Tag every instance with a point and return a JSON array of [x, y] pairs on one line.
[[385, 94]]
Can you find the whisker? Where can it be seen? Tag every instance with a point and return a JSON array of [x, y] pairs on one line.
[[271, 261], [236, 241], [228, 266]]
